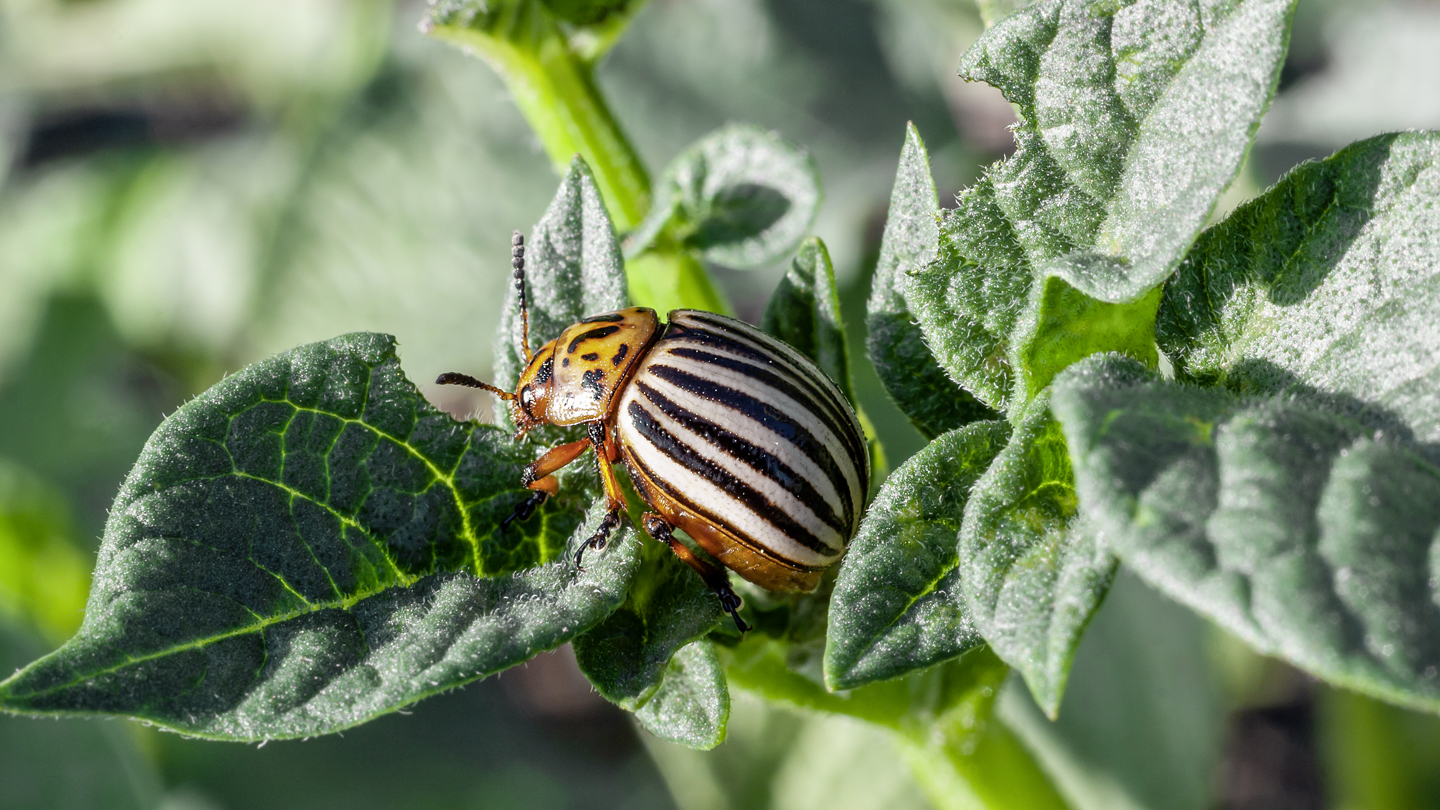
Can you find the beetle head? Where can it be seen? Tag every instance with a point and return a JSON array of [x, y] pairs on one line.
[[531, 406]]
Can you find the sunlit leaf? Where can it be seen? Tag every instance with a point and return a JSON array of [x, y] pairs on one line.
[[1290, 523], [741, 196], [898, 605], [692, 705], [1033, 573], [296, 552], [894, 342], [1133, 120]]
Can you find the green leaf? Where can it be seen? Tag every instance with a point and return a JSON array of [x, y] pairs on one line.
[[1329, 281], [804, 311], [692, 705], [669, 606], [296, 552], [895, 344], [68, 765], [1033, 573], [43, 573], [1308, 534], [573, 269], [1132, 124], [898, 604], [742, 196], [1144, 721]]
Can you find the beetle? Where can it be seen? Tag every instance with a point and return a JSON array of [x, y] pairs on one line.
[[728, 434]]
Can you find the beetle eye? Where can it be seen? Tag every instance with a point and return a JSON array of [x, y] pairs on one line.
[[527, 398]]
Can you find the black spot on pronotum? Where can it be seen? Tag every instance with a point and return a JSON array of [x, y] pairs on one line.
[[620, 355], [609, 317], [546, 369], [593, 334], [590, 357], [564, 362], [594, 382]]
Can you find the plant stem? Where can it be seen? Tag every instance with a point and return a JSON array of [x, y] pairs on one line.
[[980, 768], [555, 90]]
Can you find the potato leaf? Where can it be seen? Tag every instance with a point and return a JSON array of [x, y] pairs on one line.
[[804, 311], [1133, 121], [1033, 573], [932, 401], [897, 605], [1293, 525], [741, 196], [692, 706], [297, 551]]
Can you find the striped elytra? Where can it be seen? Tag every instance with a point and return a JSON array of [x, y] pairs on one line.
[[728, 434]]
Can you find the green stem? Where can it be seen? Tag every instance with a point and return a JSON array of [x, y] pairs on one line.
[[979, 767], [555, 89], [961, 755]]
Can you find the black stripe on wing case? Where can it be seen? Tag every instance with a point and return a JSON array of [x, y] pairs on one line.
[[840, 429], [743, 332], [769, 416], [742, 492], [647, 474], [754, 457], [821, 393]]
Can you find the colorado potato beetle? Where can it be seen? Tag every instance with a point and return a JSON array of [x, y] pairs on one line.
[[728, 434]]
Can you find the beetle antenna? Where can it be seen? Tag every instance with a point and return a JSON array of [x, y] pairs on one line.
[[456, 378], [517, 261]]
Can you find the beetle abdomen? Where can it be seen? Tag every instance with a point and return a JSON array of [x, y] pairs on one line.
[[748, 435]]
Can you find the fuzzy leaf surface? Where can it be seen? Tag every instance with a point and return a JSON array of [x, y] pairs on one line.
[[627, 655], [1033, 573], [742, 196], [692, 705], [1133, 121], [1303, 531], [909, 371], [297, 549], [1328, 284], [898, 605], [804, 311]]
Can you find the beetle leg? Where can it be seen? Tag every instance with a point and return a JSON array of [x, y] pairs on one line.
[[714, 575], [539, 476], [614, 497]]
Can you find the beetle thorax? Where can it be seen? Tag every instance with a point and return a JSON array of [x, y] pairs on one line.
[[573, 378]]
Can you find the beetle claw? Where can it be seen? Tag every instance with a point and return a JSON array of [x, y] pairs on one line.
[[524, 510], [600, 539], [731, 603]]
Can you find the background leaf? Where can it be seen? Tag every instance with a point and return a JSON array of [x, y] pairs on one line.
[[295, 552], [932, 401], [1298, 529], [804, 311], [63, 765], [1132, 123], [1143, 724], [1328, 285], [780, 759], [692, 705], [898, 605], [741, 196], [43, 573], [1033, 572]]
